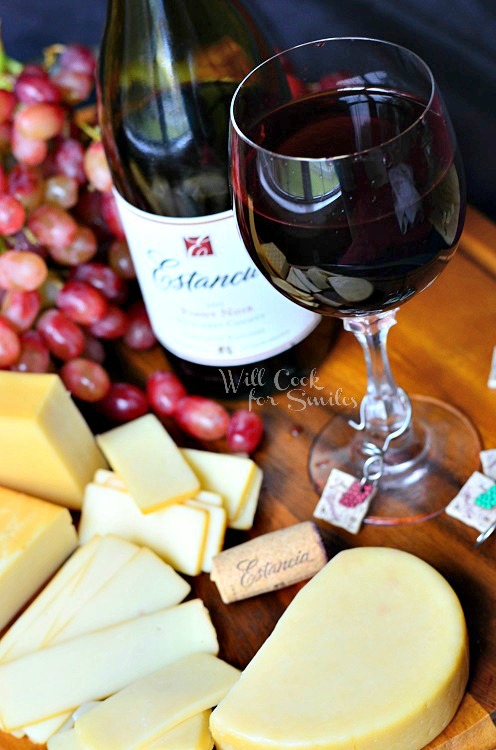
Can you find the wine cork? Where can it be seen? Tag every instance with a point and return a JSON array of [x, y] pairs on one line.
[[269, 562]]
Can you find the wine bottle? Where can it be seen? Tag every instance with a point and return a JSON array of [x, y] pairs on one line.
[[167, 73]]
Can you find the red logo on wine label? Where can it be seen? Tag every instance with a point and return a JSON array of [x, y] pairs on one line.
[[198, 245]]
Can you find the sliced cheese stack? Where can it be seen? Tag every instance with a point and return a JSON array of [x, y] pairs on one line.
[[109, 616], [149, 463], [371, 653], [188, 530], [35, 539], [46, 447], [149, 713]]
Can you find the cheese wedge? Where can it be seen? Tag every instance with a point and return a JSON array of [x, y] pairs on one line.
[[176, 533], [35, 538], [94, 666], [39, 420], [149, 463], [140, 713], [65, 741], [371, 653], [229, 476]]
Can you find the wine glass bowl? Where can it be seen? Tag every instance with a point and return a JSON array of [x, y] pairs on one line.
[[349, 195]]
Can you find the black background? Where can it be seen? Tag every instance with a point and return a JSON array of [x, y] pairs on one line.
[[457, 38]]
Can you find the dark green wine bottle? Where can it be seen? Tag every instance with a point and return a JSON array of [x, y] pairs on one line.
[[167, 72]]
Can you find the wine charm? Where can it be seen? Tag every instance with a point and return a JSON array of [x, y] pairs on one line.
[[470, 506], [345, 501]]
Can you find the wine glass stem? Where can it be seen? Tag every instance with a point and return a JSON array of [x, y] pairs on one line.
[[385, 407]]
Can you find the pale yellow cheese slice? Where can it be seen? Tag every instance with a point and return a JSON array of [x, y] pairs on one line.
[[94, 666], [149, 463], [109, 478], [230, 476], [35, 539], [109, 555], [142, 712], [65, 741], [210, 498], [176, 533], [246, 513], [217, 524], [371, 653], [192, 734], [39, 420], [62, 582]]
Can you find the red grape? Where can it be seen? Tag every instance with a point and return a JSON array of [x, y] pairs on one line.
[[34, 356], [62, 190], [3, 180], [39, 121], [164, 391], [10, 345], [93, 349], [28, 150], [22, 270], [75, 87], [34, 87], [120, 259], [112, 325], [69, 159], [82, 248], [8, 102], [201, 417], [78, 58], [97, 168], [26, 185], [12, 215], [81, 302], [124, 402], [85, 379], [111, 215], [53, 226], [102, 278], [21, 308], [63, 337], [244, 432], [139, 335]]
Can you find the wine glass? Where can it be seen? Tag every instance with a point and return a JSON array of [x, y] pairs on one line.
[[349, 196]]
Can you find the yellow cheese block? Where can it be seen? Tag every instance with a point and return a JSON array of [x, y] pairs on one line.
[[144, 711], [371, 654], [35, 538], [94, 666], [229, 476], [176, 533], [192, 734], [149, 463], [46, 447]]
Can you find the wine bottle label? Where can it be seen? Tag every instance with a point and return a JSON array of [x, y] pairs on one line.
[[207, 301]]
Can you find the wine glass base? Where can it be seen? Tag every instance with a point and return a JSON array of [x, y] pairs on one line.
[[424, 469]]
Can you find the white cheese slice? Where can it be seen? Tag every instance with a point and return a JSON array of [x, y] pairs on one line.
[[62, 582], [67, 740], [176, 533], [149, 463], [142, 712], [94, 666], [371, 653], [246, 513], [217, 523], [230, 476], [192, 734]]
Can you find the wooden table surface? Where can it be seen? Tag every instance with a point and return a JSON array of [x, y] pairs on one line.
[[442, 347]]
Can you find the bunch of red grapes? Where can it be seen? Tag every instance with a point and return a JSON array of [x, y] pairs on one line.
[[67, 281]]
